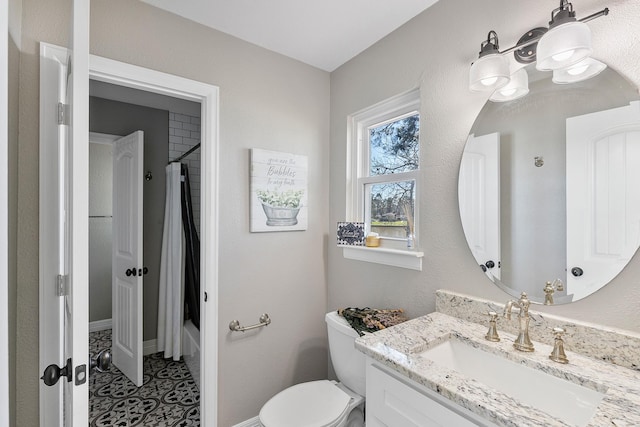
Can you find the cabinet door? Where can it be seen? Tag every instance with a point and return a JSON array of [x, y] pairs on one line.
[[392, 403]]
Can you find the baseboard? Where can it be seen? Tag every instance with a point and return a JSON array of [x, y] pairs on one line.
[[150, 347], [253, 422], [100, 325]]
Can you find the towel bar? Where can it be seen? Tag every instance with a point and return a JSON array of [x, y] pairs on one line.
[[264, 320]]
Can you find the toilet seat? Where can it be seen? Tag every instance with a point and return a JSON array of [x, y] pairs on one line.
[[312, 404]]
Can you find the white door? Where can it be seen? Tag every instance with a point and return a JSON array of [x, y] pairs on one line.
[[64, 132], [76, 310], [603, 200], [479, 199], [127, 255]]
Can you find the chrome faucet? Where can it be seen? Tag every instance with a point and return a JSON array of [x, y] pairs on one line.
[[522, 343]]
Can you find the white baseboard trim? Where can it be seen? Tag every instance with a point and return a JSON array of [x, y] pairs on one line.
[[100, 325], [253, 422], [150, 347]]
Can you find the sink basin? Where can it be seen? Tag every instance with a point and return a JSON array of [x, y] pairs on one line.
[[565, 400]]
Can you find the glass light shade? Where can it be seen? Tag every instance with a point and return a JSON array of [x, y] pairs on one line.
[[563, 46], [517, 87], [583, 70], [488, 73]]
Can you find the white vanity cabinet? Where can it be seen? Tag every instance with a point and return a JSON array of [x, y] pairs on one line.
[[394, 401]]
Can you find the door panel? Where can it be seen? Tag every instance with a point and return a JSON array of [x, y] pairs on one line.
[[603, 203], [52, 233], [76, 335], [479, 199], [127, 289]]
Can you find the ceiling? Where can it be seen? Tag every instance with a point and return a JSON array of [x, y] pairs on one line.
[[321, 33]]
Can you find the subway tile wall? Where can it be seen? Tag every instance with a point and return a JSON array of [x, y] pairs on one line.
[[184, 133]]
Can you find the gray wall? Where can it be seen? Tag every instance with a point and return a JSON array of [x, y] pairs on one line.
[[266, 101], [119, 118], [15, 7], [433, 52], [100, 229]]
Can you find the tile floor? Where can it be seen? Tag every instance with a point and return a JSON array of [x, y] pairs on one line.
[[168, 397]]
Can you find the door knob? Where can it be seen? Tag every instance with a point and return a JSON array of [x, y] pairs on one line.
[[490, 264], [53, 373], [577, 271], [131, 272], [102, 361]]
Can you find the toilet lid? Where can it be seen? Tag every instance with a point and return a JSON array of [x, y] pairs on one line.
[[312, 404]]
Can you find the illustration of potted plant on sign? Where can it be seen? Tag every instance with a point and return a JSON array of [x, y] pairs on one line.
[[281, 207], [279, 192]]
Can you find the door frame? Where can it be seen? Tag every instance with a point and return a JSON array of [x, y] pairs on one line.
[[135, 77]]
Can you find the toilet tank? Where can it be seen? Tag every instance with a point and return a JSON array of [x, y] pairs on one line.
[[348, 362]]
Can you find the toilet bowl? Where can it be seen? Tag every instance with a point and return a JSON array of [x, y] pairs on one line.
[[325, 403]]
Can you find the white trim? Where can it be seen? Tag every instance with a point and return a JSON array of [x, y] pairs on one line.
[[253, 422], [53, 61], [100, 325], [122, 74], [393, 257], [150, 347], [357, 156], [357, 177], [4, 212]]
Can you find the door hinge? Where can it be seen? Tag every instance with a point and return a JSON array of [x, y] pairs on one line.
[[62, 285], [63, 113]]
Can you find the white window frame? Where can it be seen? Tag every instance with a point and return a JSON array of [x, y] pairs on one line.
[[393, 250]]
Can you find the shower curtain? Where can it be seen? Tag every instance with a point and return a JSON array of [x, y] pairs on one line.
[[179, 265], [171, 295], [192, 253]]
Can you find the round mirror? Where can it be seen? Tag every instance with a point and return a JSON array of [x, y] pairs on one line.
[[549, 187]]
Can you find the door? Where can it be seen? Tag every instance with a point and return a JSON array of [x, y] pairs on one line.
[[479, 199], [63, 316], [76, 304], [127, 256], [603, 201]]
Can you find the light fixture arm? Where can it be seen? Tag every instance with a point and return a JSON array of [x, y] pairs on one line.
[[491, 45], [603, 12]]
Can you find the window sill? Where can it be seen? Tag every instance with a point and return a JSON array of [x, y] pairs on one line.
[[394, 257]]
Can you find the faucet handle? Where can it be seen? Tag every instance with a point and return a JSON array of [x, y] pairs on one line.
[[492, 333], [558, 355]]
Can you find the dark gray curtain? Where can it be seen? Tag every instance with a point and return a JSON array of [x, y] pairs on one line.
[[192, 253]]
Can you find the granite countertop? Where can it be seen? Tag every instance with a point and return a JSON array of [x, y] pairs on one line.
[[399, 347]]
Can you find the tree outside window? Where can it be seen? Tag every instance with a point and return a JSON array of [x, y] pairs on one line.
[[394, 156]]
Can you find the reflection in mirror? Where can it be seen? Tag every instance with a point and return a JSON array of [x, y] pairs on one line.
[[548, 191]]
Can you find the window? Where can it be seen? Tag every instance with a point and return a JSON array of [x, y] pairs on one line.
[[384, 144]]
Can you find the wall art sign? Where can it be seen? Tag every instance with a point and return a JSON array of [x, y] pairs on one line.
[[279, 199], [351, 233]]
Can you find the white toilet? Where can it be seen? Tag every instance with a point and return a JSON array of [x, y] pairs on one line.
[[325, 403]]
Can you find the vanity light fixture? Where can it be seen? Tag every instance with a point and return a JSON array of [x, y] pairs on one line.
[[565, 45], [491, 70], [567, 42], [583, 70], [517, 87]]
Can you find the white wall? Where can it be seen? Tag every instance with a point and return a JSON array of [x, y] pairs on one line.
[[434, 52], [266, 101]]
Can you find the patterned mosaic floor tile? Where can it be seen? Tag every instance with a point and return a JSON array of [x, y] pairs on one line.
[[168, 397]]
